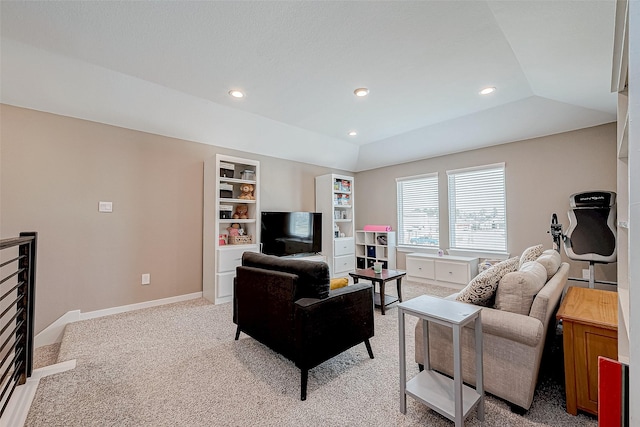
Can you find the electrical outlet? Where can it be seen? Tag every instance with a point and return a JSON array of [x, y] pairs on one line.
[[146, 279], [585, 273]]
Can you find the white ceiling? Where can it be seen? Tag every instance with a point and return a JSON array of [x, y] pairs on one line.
[[166, 68]]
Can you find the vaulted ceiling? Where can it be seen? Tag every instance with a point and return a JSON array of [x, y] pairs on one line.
[[167, 68]]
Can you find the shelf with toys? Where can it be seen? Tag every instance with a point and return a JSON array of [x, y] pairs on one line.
[[231, 221], [334, 198]]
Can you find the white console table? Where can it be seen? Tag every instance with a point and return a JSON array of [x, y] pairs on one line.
[[446, 270], [449, 397]]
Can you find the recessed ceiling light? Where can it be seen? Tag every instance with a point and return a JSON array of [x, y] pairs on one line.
[[352, 133], [236, 93], [487, 90], [361, 91]]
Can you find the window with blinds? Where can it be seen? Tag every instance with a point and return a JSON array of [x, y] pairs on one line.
[[477, 208], [418, 222]]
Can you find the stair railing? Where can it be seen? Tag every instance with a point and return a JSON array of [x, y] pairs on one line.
[[17, 289]]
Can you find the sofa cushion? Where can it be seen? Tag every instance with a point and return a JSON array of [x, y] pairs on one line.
[[338, 282], [551, 261], [530, 254], [481, 289], [516, 290], [313, 275]]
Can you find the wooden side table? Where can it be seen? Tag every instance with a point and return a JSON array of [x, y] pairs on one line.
[[590, 329], [381, 299], [449, 397]]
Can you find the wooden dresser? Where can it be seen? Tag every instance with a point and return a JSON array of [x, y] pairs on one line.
[[590, 329]]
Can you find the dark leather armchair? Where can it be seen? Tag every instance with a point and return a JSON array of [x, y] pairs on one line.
[[286, 304]]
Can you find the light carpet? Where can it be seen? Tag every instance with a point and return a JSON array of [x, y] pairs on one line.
[[178, 365]]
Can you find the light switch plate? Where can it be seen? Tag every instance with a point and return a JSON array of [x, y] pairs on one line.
[[105, 207]]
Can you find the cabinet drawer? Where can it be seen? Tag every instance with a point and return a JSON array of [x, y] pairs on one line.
[[224, 282], [423, 268], [229, 259], [454, 272], [343, 264], [344, 246]]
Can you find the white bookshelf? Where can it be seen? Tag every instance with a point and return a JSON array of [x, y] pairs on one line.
[[221, 254], [335, 199]]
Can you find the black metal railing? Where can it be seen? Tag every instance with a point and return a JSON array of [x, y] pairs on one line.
[[17, 289]]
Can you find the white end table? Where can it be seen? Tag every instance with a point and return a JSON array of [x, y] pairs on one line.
[[449, 397]]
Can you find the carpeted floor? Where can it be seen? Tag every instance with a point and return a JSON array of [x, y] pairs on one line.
[[178, 365]]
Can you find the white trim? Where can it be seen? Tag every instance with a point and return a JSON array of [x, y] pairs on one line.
[[18, 407], [53, 333], [477, 168], [478, 253], [419, 249], [414, 177]]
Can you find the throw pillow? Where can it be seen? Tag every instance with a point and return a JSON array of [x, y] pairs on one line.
[[551, 261], [517, 290], [530, 254], [481, 289], [338, 282]]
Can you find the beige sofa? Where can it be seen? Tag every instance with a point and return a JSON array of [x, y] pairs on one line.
[[513, 345]]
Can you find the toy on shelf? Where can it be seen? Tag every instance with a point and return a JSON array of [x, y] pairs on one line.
[[241, 212], [246, 192]]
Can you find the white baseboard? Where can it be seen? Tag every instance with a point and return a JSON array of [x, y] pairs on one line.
[[53, 333], [18, 407]]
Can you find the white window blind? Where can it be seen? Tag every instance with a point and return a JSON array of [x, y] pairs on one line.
[[418, 222], [477, 208]]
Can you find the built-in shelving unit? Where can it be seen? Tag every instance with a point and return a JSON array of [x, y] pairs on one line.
[[624, 176], [335, 198], [225, 183], [375, 246]]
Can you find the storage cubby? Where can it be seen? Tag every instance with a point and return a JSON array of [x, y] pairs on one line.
[[372, 246]]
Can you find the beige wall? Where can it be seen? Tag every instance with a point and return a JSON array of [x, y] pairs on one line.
[[541, 174], [90, 260], [55, 170]]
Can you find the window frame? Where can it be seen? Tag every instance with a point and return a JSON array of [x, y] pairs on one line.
[[454, 204], [400, 204]]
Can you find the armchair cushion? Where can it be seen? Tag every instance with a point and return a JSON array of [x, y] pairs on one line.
[[516, 290], [481, 290], [314, 275]]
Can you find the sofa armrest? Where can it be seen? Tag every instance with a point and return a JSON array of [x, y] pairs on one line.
[[512, 326], [327, 327]]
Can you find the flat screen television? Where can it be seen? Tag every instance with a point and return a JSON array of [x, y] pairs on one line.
[[291, 233]]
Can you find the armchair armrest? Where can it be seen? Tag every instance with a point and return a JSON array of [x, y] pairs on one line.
[[327, 327], [515, 327]]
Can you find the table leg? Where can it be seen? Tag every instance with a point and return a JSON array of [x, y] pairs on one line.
[[425, 340], [479, 367], [382, 305], [403, 368], [399, 283], [457, 375], [355, 280]]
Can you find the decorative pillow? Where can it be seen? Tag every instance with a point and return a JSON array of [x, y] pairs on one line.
[[481, 290], [550, 260], [530, 254], [517, 290], [338, 282]]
